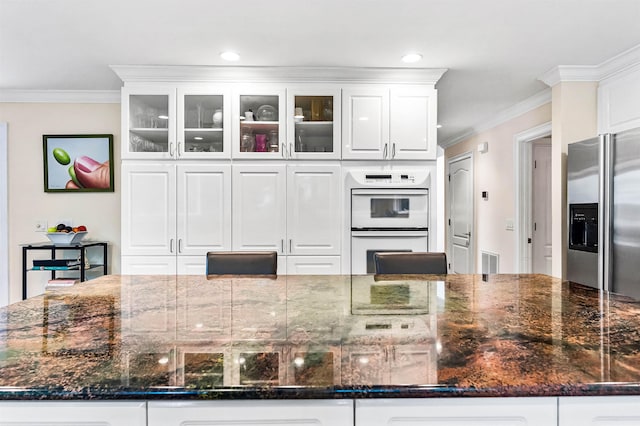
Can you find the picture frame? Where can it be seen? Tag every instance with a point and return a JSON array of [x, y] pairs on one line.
[[78, 163]]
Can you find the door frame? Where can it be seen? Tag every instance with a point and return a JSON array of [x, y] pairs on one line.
[[522, 143], [449, 242], [4, 216]]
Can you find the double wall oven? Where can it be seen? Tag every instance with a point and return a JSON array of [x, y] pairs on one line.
[[389, 212]]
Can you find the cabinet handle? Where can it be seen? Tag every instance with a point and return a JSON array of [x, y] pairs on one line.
[[179, 245], [393, 150], [291, 151], [284, 149], [281, 246], [171, 245], [178, 150], [384, 151], [290, 244], [170, 149]]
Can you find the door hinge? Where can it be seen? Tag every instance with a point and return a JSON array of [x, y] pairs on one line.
[[449, 222], [535, 164], [535, 226], [529, 240], [449, 177]]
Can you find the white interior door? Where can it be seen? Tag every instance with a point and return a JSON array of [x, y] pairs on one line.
[[461, 253], [541, 207]]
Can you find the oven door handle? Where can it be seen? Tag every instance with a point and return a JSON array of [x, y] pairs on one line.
[[401, 192], [390, 234]]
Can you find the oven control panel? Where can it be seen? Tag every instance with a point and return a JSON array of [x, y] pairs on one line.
[[410, 178]]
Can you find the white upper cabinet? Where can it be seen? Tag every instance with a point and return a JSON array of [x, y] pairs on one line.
[[413, 124], [389, 124], [148, 122], [204, 123], [313, 122], [258, 120], [173, 123], [365, 123]]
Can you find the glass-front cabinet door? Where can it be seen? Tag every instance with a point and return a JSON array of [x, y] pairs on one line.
[[204, 130], [148, 117], [259, 117], [313, 116]]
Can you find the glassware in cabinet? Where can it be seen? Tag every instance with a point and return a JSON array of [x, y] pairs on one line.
[[202, 127], [260, 120], [314, 123], [148, 123]]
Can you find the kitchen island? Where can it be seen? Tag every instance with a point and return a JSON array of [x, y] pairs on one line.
[[373, 343]]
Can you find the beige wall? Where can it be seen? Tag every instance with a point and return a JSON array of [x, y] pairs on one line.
[[575, 112], [28, 202], [494, 173]]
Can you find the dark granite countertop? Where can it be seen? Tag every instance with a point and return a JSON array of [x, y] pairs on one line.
[[186, 337]]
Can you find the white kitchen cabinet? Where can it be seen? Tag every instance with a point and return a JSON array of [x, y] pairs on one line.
[[258, 120], [313, 122], [602, 410], [76, 413], [251, 412], [313, 265], [539, 411], [166, 122], [292, 209], [170, 210], [259, 207], [381, 123]]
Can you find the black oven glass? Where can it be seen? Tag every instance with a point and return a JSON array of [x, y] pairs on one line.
[[389, 207]]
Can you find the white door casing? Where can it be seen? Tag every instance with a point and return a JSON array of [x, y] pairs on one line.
[[522, 143], [4, 217], [541, 207], [461, 213]]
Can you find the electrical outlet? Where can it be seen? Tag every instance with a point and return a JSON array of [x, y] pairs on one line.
[[41, 226]]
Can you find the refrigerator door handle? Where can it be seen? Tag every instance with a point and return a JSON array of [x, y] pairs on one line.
[[605, 212]]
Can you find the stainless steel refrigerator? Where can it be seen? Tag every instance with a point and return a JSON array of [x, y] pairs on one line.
[[603, 195]]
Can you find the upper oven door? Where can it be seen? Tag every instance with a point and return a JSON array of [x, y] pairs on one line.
[[389, 208]]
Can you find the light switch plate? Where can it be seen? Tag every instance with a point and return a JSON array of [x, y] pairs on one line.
[[509, 225], [41, 226]]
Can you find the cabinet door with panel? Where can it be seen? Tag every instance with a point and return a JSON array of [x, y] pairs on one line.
[[382, 123], [412, 125], [258, 120], [148, 208], [313, 209], [148, 123], [251, 412], [259, 207], [365, 123], [72, 413], [605, 410], [203, 208], [313, 123], [538, 411]]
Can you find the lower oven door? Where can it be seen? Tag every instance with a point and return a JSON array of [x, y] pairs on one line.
[[365, 243]]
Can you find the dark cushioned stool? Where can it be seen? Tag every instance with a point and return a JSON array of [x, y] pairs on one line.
[[242, 263], [410, 263]]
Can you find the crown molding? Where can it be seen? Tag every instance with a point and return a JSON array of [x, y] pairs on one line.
[[61, 96], [570, 73], [607, 69], [541, 98], [191, 74]]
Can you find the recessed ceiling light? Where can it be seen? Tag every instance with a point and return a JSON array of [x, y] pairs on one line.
[[230, 56], [411, 57]]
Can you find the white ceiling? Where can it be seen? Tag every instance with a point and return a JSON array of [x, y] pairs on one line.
[[494, 50]]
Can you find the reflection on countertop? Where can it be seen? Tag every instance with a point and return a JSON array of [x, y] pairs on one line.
[[154, 337]]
